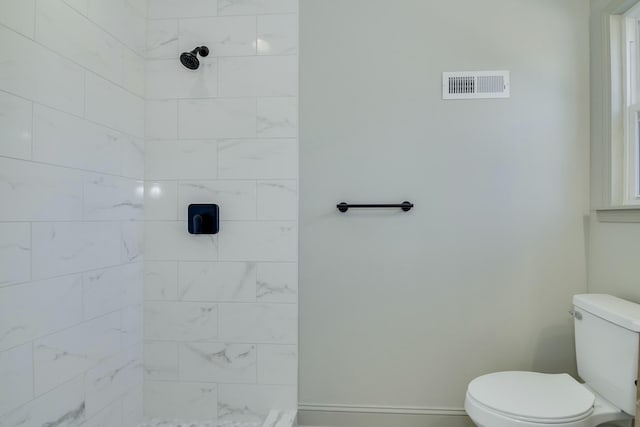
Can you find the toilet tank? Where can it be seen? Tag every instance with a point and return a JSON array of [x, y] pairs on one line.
[[607, 331]]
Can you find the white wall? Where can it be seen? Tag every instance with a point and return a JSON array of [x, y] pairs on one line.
[[221, 311], [71, 165], [399, 311], [614, 248]]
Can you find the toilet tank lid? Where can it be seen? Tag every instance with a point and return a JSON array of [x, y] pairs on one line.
[[615, 310]]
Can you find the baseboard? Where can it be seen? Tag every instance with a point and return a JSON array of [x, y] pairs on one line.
[[322, 415]]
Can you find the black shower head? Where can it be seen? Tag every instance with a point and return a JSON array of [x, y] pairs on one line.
[[190, 59]]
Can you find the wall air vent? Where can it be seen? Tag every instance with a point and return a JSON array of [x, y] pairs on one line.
[[475, 84]]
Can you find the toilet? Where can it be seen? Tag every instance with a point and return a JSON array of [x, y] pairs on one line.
[[607, 332]]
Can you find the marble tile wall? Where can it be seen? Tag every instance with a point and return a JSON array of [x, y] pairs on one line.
[[71, 216], [221, 311]]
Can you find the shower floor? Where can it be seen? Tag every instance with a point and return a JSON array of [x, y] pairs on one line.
[[183, 423], [275, 418]]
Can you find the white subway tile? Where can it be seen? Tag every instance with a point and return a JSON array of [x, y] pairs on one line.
[[134, 72], [277, 364], [218, 362], [181, 160], [36, 192], [161, 201], [258, 241], [111, 416], [170, 240], [258, 76], [65, 31], [161, 280], [180, 321], [124, 19], [64, 403], [133, 277], [16, 371], [71, 247], [259, 323], [132, 326], [278, 282], [159, 9], [62, 356], [227, 36], [58, 84], [196, 401], [252, 403], [256, 7], [213, 281], [278, 200], [162, 39], [132, 241], [15, 253], [111, 378], [278, 35], [278, 117], [132, 407], [32, 310], [161, 119], [15, 126], [237, 199], [18, 15], [66, 140], [81, 6], [109, 198], [161, 361], [133, 157], [113, 106], [217, 118], [105, 291], [256, 159], [168, 79]]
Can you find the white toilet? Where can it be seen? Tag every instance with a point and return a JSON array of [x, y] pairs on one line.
[[607, 331]]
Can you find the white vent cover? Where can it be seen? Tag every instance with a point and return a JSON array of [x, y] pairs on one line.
[[475, 84]]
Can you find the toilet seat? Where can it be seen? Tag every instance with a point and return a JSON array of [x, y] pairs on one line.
[[529, 398]]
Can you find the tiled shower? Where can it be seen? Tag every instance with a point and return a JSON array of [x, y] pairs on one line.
[[111, 313]]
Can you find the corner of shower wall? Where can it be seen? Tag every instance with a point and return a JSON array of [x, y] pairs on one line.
[[221, 311]]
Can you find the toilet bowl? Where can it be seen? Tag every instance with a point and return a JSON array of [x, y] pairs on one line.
[[607, 338], [531, 399]]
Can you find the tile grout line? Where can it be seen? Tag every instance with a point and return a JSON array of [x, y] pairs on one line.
[[74, 62], [82, 117]]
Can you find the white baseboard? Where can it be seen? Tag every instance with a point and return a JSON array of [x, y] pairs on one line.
[[336, 415], [377, 409]]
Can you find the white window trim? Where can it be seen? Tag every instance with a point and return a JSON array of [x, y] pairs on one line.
[[631, 107], [625, 108], [624, 203]]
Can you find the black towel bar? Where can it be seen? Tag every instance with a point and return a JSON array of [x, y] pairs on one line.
[[405, 206]]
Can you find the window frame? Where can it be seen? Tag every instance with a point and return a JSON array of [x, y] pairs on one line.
[[627, 192]]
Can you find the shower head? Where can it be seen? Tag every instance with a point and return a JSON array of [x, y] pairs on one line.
[[190, 59]]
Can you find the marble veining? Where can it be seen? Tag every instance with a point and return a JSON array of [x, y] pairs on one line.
[[112, 198], [217, 281], [70, 418], [212, 423], [181, 321], [15, 253], [218, 362], [279, 418], [238, 414], [267, 125], [267, 290]]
